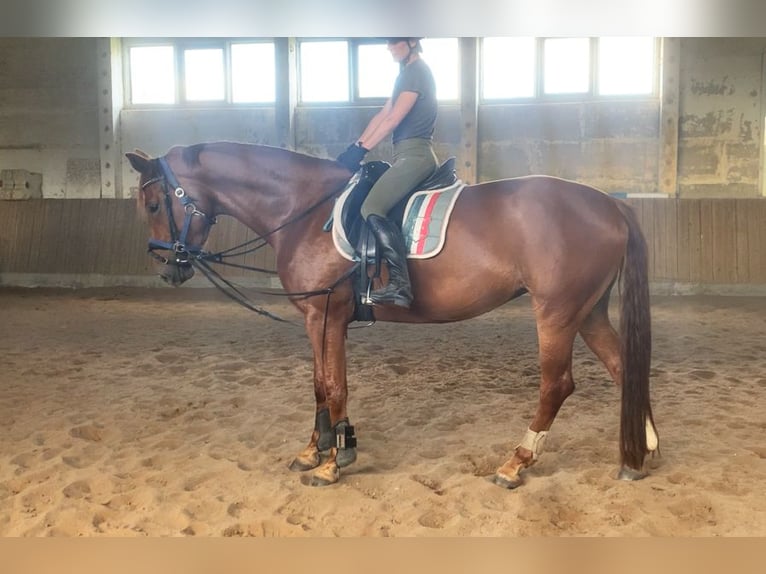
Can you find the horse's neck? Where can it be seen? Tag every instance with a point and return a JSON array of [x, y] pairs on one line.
[[265, 193]]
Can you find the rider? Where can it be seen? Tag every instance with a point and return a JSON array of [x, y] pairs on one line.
[[410, 113]]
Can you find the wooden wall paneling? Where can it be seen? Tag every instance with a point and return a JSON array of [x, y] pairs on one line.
[[140, 262], [50, 231], [724, 242], [71, 228], [742, 245], [97, 228], [243, 235], [18, 248], [33, 233], [687, 237], [19, 259], [664, 223], [9, 234], [9, 221], [707, 242], [104, 248], [755, 223], [235, 233]]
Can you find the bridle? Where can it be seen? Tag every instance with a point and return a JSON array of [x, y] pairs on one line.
[[182, 254]]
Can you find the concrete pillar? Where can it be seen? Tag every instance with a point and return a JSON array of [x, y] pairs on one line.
[[468, 154], [287, 91], [762, 166], [670, 56], [110, 101]]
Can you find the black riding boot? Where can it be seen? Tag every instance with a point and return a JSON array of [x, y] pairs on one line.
[[391, 241]]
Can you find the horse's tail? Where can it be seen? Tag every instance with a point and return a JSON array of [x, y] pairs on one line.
[[636, 348]]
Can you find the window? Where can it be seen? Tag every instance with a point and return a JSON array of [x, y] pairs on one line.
[[204, 77], [567, 68], [566, 65], [443, 57], [508, 69], [377, 71], [626, 66], [345, 71], [201, 71], [152, 75], [253, 73], [323, 71]]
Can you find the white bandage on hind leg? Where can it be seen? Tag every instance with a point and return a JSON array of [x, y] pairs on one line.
[[534, 441]]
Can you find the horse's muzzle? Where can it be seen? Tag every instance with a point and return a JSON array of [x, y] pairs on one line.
[[176, 274]]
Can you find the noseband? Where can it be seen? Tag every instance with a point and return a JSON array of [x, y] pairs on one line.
[[182, 254]]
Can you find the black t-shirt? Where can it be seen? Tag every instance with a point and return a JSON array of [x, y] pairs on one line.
[[420, 121]]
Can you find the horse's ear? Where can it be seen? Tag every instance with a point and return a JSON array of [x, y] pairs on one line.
[[140, 161]]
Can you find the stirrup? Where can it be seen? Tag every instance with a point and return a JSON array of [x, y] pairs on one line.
[[389, 294]]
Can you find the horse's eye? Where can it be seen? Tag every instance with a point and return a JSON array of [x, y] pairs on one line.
[[153, 207]]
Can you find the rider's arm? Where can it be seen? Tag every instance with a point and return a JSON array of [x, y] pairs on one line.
[[387, 119]]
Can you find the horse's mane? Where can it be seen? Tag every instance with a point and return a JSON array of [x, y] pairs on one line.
[[191, 154]]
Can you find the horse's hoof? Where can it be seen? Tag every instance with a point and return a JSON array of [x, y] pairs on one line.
[[631, 474], [325, 477], [301, 464], [505, 482], [321, 481], [345, 457]]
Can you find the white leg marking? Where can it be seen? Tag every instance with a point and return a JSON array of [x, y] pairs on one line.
[[652, 441]]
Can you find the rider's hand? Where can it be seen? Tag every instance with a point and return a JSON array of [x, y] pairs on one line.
[[352, 158]]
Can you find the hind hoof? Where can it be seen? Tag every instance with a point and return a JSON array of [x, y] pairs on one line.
[[631, 474], [505, 482]]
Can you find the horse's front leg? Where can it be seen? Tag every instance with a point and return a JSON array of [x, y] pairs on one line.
[[321, 438], [332, 431]]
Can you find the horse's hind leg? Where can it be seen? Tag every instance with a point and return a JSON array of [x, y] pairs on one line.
[[601, 338], [557, 384]]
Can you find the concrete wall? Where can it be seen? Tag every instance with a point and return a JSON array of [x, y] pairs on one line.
[[50, 108], [49, 113], [721, 117], [611, 145]]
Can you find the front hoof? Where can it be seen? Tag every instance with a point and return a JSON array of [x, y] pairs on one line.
[[298, 465], [304, 462], [631, 474], [326, 475], [506, 482]]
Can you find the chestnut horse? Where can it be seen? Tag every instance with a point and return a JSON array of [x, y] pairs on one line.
[[563, 243]]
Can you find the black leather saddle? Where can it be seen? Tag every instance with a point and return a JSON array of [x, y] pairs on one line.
[[351, 218]]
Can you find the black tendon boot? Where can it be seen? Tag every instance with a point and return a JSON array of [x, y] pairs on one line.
[[391, 241]]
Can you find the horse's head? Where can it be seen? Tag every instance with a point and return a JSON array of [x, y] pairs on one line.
[[177, 219]]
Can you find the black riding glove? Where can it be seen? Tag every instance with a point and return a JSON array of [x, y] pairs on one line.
[[352, 158]]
